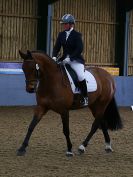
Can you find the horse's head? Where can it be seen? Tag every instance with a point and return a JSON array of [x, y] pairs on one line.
[[30, 70]]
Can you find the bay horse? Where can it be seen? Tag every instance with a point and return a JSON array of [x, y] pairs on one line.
[[53, 92]]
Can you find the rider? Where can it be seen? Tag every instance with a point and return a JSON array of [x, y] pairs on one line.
[[72, 44]]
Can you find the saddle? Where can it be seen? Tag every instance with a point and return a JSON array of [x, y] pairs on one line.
[[73, 79], [72, 74]]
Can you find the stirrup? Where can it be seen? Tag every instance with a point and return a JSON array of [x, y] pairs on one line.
[[85, 101]]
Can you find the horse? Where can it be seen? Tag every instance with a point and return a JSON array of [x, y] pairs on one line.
[[51, 85]]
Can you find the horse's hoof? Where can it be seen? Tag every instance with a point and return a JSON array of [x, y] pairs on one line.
[[69, 154], [109, 150], [21, 152], [81, 149]]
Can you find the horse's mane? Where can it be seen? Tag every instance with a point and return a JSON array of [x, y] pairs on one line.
[[41, 52]]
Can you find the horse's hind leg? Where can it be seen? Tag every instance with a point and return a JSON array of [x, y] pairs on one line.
[[37, 117], [108, 147], [65, 122], [94, 128]]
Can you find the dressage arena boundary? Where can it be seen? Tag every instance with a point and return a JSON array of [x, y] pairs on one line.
[[13, 92]]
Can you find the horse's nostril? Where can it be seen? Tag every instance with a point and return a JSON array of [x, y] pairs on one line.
[[30, 90]]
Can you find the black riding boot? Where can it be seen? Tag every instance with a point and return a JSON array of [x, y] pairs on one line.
[[83, 88]]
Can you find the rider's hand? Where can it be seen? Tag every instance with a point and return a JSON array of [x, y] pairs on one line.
[[54, 58], [37, 67], [66, 60]]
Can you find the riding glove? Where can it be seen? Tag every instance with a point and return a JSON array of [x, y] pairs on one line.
[[66, 60], [54, 58]]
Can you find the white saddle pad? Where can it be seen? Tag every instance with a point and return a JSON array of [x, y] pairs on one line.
[[90, 80]]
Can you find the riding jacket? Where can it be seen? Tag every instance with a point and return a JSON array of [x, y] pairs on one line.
[[72, 46]]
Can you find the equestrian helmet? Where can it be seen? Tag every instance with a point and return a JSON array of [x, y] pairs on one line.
[[67, 18]]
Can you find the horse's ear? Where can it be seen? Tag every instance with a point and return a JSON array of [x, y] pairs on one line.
[[23, 55], [29, 54]]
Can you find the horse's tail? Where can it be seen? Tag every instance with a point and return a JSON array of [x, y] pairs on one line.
[[112, 117]]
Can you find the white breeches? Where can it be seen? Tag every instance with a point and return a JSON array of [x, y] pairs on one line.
[[78, 68]]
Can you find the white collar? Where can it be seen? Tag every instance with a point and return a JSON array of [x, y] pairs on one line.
[[69, 30], [68, 33]]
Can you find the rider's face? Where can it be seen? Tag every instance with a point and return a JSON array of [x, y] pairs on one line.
[[66, 26]]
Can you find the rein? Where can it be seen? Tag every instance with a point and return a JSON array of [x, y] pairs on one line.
[[62, 74]]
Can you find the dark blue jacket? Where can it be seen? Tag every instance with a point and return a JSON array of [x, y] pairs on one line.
[[72, 47]]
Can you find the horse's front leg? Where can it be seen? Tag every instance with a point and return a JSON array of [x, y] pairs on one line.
[[65, 122], [36, 118]]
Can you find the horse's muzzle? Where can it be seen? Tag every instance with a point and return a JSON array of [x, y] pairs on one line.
[[31, 89]]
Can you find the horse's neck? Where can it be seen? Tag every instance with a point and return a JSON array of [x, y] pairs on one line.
[[47, 66]]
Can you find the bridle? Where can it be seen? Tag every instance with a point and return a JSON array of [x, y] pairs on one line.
[[33, 80], [37, 75]]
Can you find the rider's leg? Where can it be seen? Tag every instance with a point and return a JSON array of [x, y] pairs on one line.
[[83, 88], [80, 71]]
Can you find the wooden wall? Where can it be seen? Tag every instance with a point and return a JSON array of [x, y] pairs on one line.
[[95, 19], [130, 46], [18, 27]]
